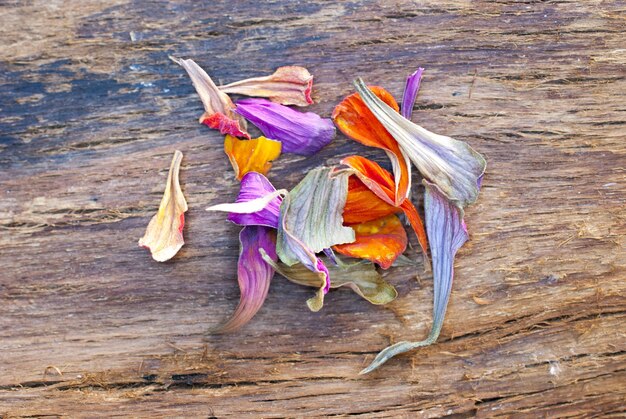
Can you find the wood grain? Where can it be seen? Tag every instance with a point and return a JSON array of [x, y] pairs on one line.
[[91, 110]]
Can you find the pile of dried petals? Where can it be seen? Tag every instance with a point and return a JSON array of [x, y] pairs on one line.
[[350, 209]]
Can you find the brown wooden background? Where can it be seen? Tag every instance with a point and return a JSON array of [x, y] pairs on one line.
[[91, 110]]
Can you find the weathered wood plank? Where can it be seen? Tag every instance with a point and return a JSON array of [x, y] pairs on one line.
[[91, 110]]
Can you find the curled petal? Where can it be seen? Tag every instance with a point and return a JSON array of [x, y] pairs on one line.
[[253, 155], [380, 241], [302, 133], [164, 235], [258, 202], [219, 110], [410, 92], [253, 274], [289, 85], [311, 221], [356, 121], [380, 182], [450, 164], [359, 276], [363, 205], [447, 233]]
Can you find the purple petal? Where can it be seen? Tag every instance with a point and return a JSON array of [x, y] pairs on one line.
[[254, 185], [303, 133], [253, 273], [410, 93], [446, 234]]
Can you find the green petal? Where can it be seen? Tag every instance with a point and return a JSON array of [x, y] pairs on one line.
[[362, 277]]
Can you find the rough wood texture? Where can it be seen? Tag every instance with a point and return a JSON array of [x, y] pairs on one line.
[[92, 110]]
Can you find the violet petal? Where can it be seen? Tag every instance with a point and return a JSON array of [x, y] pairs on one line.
[[253, 274], [446, 233], [303, 133], [258, 202], [410, 93]]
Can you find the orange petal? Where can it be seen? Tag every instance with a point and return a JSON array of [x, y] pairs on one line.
[[356, 121], [164, 235], [380, 241], [380, 182], [363, 205], [251, 155]]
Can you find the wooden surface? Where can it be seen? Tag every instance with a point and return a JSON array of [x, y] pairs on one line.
[[92, 109]]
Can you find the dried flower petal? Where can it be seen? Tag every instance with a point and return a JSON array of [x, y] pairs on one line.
[[311, 221], [360, 276], [303, 133], [452, 165], [363, 205], [258, 202], [410, 92], [289, 85], [164, 235], [380, 182], [356, 121], [447, 233], [253, 274], [251, 155], [218, 108], [380, 241]]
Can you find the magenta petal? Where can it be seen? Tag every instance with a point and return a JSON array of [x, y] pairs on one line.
[[254, 185], [303, 133], [410, 93], [253, 273]]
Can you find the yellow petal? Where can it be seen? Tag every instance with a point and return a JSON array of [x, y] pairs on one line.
[[251, 155], [164, 235]]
